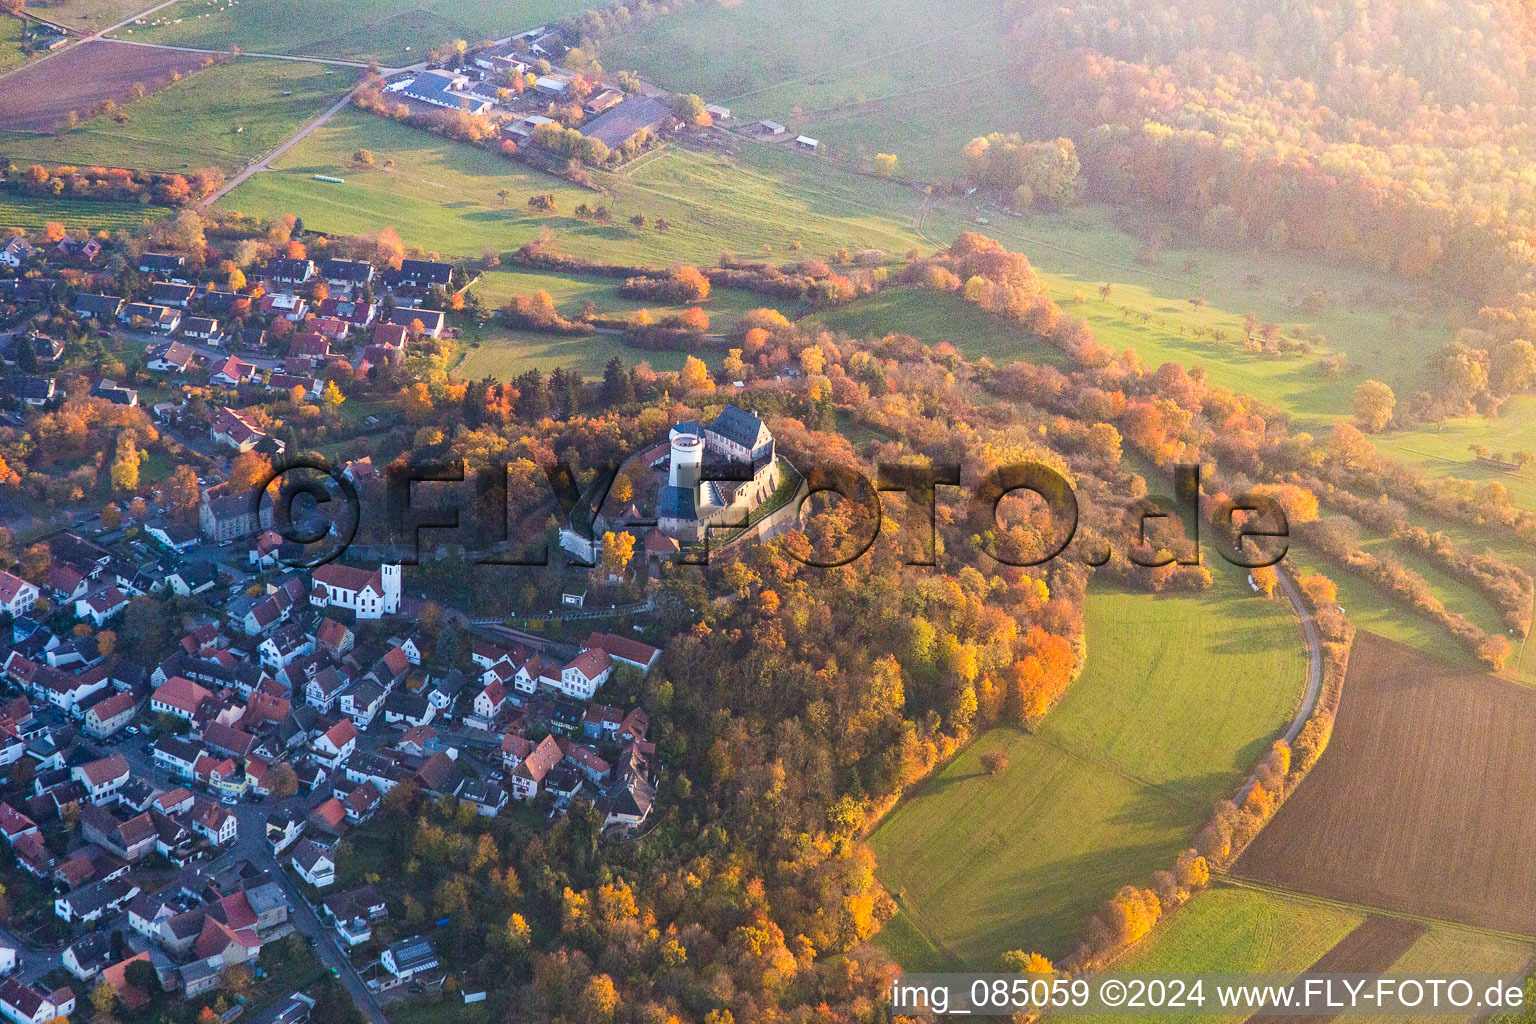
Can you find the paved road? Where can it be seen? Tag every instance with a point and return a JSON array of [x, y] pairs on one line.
[[1314, 668], [265, 162]]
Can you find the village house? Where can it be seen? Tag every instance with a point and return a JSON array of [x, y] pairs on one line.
[[17, 596], [178, 696], [102, 778], [288, 271], [161, 263], [101, 605], [168, 293], [97, 307], [161, 319], [234, 430], [203, 328], [432, 321], [314, 863], [347, 274], [530, 763], [15, 253], [409, 958], [33, 390], [336, 744], [231, 373], [169, 357], [291, 307], [228, 517]]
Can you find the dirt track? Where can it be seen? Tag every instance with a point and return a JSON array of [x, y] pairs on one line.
[[1425, 800], [36, 98]]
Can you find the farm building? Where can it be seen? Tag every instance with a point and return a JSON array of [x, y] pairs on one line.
[[807, 143], [445, 89], [624, 120]]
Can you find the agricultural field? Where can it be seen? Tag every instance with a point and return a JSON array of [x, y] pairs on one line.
[[223, 116], [866, 79], [77, 215], [393, 32], [37, 98], [1179, 697], [448, 197], [1421, 802]]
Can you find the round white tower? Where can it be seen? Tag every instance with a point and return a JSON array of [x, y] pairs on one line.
[[687, 461]]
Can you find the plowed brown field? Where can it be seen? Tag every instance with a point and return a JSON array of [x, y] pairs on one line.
[[38, 97], [1425, 801]]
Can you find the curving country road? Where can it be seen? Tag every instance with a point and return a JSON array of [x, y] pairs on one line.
[[1314, 668]]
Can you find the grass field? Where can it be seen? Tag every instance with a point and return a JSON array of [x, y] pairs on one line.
[[1179, 696], [571, 293], [90, 15], [11, 54], [394, 32], [1446, 450], [933, 317], [863, 78], [498, 352], [75, 214], [194, 122], [1421, 803], [444, 196]]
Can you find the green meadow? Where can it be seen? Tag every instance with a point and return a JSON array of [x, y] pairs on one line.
[[863, 79], [458, 200], [1180, 696], [394, 32], [223, 116]]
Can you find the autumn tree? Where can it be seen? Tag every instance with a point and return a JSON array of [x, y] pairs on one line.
[[104, 1001], [125, 463], [618, 549], [283, 782], [106, 643], [248, 471], [994, 761], [1374, 402], [111, 516], [886, 164], [183, 494], [695, 375]]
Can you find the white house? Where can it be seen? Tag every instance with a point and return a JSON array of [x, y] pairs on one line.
[[102, 778], [314, 863], [26, 1005], [17, 596], [409, 957], [581, 677], [101, 606], [336, 744]]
